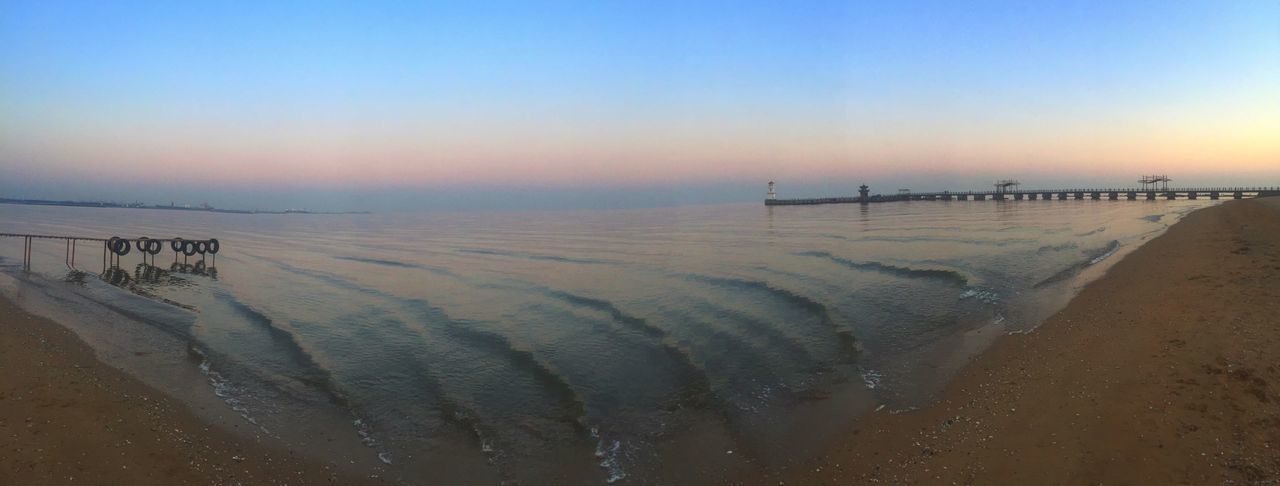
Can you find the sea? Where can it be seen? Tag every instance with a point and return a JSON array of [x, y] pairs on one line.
[[663, 345]]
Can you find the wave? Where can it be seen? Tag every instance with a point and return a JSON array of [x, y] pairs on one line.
[[535, 256], [949, 276], [1101, 254], [396, 264], [1097, 230], [813, 307], [571, 402], [1092, 257], [223, 388], [940, 239], [607, 307], [759, 328], [572, 405], [1062, 247], [311, 372], [698, 390]]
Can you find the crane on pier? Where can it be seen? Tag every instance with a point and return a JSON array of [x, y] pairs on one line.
[[1155, 182], [1003, 185]]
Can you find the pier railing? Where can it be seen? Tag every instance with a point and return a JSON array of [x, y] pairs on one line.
[[115, 247], [1112, 193]]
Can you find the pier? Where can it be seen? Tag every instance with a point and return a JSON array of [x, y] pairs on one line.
[[1007, 193], [115, 247]]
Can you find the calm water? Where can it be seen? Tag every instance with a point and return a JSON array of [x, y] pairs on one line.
[[657, 344]]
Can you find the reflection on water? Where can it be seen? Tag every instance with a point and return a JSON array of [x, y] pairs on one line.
[[635, 345]]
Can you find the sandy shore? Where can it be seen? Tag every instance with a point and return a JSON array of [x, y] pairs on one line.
[[66, 418], [1164, 371]]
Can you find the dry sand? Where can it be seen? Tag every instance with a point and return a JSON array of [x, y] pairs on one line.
[[1164, 371], [66, 418]]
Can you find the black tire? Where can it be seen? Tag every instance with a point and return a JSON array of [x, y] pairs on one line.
[[214, 246], [202, 247], [111, 243], [154, 247], [175, 245], [188, 248], [143, 244], [122, 247]]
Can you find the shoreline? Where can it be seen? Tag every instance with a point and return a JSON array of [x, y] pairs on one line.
[[1160, 371], [65, 416]]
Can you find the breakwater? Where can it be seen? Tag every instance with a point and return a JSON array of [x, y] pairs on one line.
[[1113, 194]]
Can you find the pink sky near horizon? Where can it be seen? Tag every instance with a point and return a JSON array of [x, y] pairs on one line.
[[569, 152]]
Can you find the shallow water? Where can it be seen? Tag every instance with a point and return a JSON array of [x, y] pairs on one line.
[[633, 345]]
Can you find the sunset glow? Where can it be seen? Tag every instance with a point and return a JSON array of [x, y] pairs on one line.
[[367, 95]]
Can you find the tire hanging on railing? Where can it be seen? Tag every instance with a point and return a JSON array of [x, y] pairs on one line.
[[120, 246], [213, 246], [189, 248]]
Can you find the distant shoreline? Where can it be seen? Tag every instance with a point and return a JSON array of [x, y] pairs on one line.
[[101, 204]]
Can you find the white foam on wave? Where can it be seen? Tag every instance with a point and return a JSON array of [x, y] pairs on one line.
[[871, 378], [610, 454], [226, 390], [985, 295], [366, 438], [1112, 251]]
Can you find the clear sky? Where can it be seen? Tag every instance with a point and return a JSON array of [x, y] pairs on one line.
[[598, 103]]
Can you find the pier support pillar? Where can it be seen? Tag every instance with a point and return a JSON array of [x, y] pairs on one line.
[[1131, 195], [1170, 195], [979, 197], [1151, 195], [1079, 195], [1018, 196], [1214, 195], [1032, 196], [1047, 196], [1062, 196], [1113, 195], [1191, 194], [1237, 195], [963, 197], [946, 197], [1095, 195]]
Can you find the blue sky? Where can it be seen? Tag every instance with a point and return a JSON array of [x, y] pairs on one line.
[[596, 99]]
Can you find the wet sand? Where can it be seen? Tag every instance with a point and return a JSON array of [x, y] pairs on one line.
[[66, 418], [1163, 371]]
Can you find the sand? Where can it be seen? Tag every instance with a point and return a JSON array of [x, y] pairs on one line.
[[66, 418], [1163, 371]]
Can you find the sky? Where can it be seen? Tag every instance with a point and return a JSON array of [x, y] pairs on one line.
[[379, 105]]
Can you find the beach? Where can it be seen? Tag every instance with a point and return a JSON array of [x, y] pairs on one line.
[[1158, 372], [67, 418], [1163, 371]]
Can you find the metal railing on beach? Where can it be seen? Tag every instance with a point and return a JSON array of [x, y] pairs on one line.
[[115, 247]]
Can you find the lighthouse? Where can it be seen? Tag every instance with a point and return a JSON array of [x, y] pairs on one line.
[[864, 191], [771, 195]]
